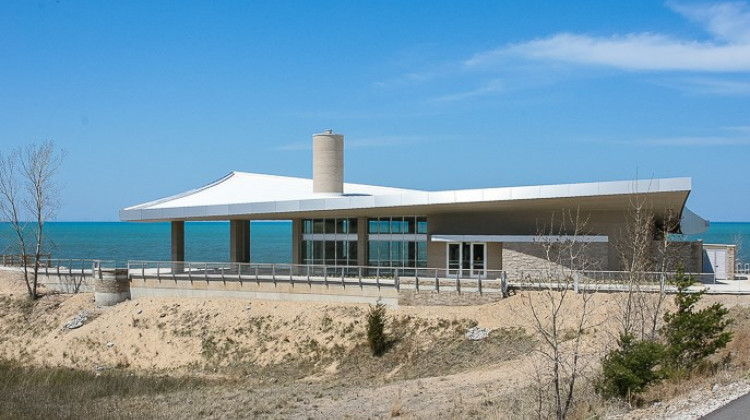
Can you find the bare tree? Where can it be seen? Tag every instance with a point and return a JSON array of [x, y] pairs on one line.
[[560, 316], [29, 196], [646, 255]]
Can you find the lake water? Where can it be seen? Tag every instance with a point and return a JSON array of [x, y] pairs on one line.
[[209, 241]]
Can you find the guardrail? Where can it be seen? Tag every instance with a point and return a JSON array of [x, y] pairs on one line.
[[399, 278], [17, 260], [75, 266], [603, 277]]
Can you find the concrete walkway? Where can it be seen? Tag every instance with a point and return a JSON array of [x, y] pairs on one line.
[[729, 287]]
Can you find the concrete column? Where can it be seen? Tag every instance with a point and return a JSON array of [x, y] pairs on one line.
[[362, 241], [239, 240], [297, 241], [178, 241]]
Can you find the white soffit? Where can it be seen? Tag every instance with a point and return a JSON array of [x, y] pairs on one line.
[[692, 224]]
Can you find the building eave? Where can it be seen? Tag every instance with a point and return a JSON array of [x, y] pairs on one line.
[[672, 192]]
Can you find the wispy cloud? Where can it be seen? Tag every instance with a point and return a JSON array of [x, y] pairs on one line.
[[727, 51], [726, 21]]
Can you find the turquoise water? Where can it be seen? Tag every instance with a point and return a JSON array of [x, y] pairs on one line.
[[209, 241], [732, 233], [122, 241]]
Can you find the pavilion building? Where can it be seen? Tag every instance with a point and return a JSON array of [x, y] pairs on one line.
[[467, 231]]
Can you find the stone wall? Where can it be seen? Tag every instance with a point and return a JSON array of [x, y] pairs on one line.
[[517, 256], [687, 256], [414, 298]]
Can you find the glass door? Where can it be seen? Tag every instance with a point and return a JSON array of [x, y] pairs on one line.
[[454, 258], [467, 259], [478, 256]]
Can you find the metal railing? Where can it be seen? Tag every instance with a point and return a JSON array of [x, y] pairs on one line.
[[17, 260], [743, 268], [398, 278], [402, 278], [603, 277]]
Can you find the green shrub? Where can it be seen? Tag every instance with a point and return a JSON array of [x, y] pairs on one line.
[[630, 368], [691, 336], [376, 337], [688, 338]]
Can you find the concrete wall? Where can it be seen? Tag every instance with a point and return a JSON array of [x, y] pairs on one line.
[[268, 291], [495, 256], [414, 298], [436, 253], [68, 282]]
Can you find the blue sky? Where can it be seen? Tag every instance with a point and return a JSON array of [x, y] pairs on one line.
[[154, 98]]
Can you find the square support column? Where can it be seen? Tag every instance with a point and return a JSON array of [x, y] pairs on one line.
[[362, 237], [297, 241], [178, 241], [239, 241]]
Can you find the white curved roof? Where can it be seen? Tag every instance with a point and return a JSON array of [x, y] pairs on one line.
[[244, 187], [241, 195]]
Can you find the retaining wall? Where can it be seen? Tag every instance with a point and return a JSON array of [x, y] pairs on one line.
[[149, 287]]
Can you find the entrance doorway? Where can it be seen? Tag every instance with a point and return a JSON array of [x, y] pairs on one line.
[[467, 259]]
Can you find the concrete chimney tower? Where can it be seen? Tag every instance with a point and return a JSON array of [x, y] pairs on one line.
[[328, 163]]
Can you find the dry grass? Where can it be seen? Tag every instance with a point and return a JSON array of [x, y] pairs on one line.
[[45, 392]]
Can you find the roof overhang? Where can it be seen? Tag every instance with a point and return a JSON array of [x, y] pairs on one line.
[[263, 197]]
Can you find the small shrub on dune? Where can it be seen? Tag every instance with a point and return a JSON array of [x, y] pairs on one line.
[[691, 336], [630, 368], [376, 337]]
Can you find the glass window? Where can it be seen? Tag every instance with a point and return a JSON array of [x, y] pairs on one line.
[[352, 225], [397, 224], [330, 225], [409, 225], [330, 252], [421, 225], [372, 253], [318, 252], [318, 226], [384, 253], [384, 226], [341, 225], [422, 254], [372, 226], [352, 252], [397, 253], [410, 254], [341, 249], [307, 226]]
